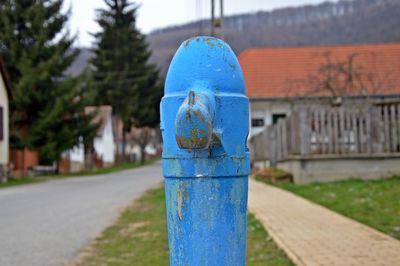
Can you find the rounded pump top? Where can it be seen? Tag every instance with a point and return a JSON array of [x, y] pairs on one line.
[[206, 60]]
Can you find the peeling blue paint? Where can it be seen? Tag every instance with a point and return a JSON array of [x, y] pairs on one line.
[[204, 120]]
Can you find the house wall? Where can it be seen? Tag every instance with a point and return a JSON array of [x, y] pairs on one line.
[[104, 147], [4, 144], [309, 170], [265, 110], [104, 144], [74, 159], [77, 154], [23, 160]]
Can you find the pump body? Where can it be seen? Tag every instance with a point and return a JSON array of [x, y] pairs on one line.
[[204, 124]]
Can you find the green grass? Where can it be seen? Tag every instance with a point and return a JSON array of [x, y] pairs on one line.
[[374, 203], [108, 170], [274, 175], [115, 168], [261, 250], [24, 181], [139, 237]]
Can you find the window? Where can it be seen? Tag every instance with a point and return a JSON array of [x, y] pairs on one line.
[[277, 117], [257, 122], [1, 124]]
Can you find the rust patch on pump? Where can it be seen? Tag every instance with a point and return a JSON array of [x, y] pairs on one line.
[[199, 115], [179, 196], [210, 41], [187, 42]]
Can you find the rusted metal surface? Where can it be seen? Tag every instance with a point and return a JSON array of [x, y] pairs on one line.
[[204, 123], [193, 123]]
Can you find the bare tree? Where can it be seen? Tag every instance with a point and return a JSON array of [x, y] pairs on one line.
[[142, 137], [356, 75]]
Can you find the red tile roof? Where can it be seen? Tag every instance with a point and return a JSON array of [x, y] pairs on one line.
[[282, 72]]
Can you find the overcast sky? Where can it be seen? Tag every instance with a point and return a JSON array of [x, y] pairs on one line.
[[155, 14]]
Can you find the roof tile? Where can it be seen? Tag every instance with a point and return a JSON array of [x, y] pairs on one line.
[[282, 72]]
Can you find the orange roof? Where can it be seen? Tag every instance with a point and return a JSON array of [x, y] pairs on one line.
[[287, 72]]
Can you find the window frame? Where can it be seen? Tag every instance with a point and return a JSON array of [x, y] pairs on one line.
[[262, 124]]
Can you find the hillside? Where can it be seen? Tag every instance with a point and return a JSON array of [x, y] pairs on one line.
[[343, 22]]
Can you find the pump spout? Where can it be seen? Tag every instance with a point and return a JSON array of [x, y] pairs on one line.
[[194, 121]]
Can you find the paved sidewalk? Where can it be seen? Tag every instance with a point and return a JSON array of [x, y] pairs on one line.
[[313, 235]]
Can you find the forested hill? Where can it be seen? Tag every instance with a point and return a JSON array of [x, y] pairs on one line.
[[329, 23]]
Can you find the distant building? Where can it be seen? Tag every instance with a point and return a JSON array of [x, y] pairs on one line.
[[5, 97], [279, 79], [135, 138], [101, 152], [103, 143]]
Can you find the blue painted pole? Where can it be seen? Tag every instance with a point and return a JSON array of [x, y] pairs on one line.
[[204, 124]]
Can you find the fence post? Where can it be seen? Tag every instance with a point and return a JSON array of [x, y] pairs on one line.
[[305, 132], [204, 123], [377, 130]]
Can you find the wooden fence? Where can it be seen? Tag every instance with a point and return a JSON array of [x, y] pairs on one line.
[[340, 131]]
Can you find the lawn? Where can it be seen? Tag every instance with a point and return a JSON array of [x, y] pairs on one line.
[[374, 203], [115, 168], [139, 237], [24, 181], [112, 169]]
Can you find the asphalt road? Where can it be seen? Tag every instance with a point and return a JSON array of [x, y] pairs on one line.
[[49, 223]]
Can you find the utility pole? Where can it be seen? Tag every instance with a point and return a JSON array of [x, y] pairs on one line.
[[212, 17], [217, 23], [221, 23], [198, 16]]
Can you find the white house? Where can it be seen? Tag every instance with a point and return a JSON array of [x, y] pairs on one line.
[[103, 144], [278, 80], [5, 97]]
